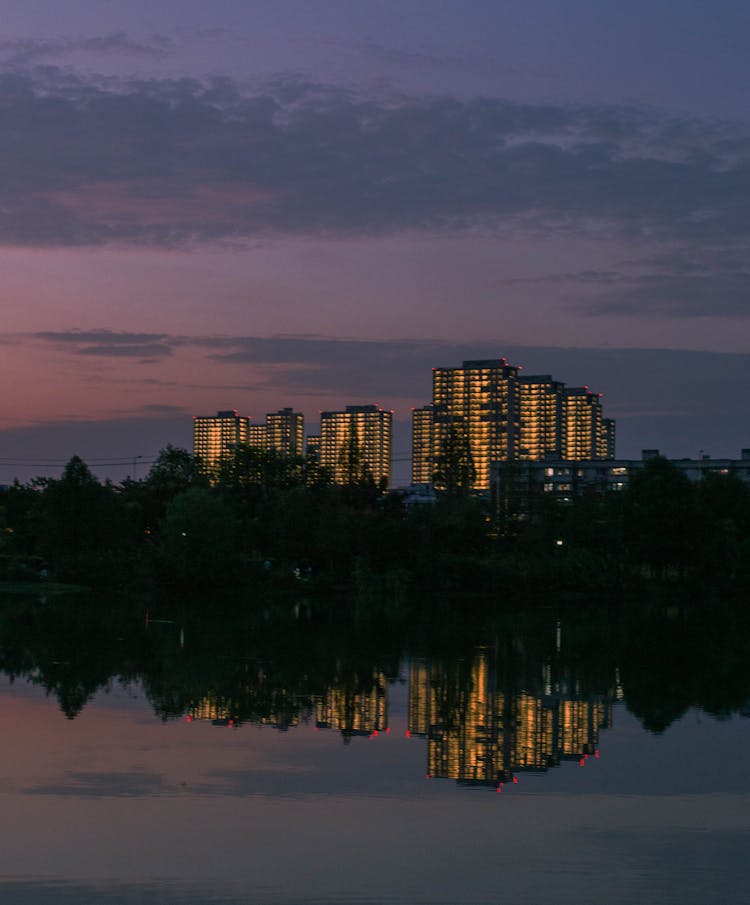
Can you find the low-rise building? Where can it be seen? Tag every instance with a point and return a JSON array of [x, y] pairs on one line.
[[564, 479]]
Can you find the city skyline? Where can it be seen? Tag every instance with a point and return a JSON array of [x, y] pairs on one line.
[[250, 205]]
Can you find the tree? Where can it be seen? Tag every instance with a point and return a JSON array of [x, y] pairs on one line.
[[80, 518], [454, 473], [353, 462], [174, 471], [658, 517], [722, 521], [199, 542]]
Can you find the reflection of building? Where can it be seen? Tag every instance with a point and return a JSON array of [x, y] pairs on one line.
[[356, 442], [216, 436], [488, 410], [280, 714], [354, 711], [480, 732]]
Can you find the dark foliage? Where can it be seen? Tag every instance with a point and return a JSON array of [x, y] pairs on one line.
[[267, 518]]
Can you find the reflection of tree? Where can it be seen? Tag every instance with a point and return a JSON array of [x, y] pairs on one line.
[[678, 658], [266, 665]]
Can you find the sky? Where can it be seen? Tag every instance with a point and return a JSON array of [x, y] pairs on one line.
[[252, 205]]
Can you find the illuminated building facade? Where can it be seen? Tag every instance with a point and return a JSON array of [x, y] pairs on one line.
[[357, 442], [497, 415], [542, 404], [479, 404], [257, 436], [423, 445], [285, 431], [312, 448], [584, 428], [216, 436], [610, 437]]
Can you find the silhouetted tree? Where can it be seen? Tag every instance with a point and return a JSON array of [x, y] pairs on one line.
[[658, 517], [199, 539], [454, 472]]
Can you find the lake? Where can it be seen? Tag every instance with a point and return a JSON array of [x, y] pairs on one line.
[[294, 754]]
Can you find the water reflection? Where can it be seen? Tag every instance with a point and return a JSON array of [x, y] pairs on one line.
[[277, 753], [481, 730], [494, 695]]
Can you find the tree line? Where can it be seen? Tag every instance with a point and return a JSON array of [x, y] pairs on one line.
[[265, 518]]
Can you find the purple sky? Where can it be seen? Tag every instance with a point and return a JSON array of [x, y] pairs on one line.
[[250, 205]]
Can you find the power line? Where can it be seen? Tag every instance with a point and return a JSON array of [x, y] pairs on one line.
[[35, 463]]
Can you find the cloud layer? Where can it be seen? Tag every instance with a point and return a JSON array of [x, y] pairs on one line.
[[88, 161]]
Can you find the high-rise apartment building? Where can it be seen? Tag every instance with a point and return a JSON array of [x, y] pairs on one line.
[[584, 430], [542, 404], [285, 431], [312, 448], [423, 445], [357, 442], [216, 436], [474, 407], [257, 436], [487, 413], [479, 404], [610, 437]]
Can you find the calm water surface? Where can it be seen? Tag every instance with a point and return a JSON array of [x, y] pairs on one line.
[[182, 762]]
